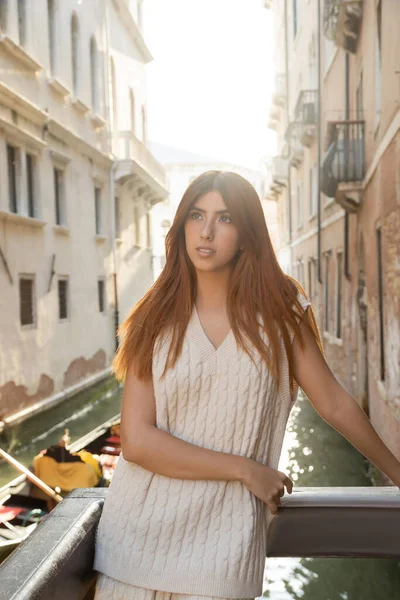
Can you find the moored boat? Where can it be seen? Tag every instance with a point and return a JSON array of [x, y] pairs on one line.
[[23, 505]]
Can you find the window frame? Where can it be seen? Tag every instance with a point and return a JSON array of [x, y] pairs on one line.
[[101, 296], [63, 279], [28, 277]]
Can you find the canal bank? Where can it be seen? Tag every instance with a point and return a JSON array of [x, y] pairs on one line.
[[315, 455], [79, 413]]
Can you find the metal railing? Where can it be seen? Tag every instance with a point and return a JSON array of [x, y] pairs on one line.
[[306, 107], [344, 160], [56, 560]]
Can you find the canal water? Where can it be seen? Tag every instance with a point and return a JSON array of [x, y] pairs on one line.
[[314, 455], [80, 415]]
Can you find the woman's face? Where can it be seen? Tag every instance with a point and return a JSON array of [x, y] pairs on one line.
[[212, 239]]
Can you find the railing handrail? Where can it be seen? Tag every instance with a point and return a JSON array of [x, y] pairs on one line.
[[341, 521]]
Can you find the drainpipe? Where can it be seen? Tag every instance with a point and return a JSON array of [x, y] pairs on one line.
[[111, 187], [346, 215], [319, 143], [289, 185]]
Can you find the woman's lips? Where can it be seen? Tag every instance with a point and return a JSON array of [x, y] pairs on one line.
[[205, 252]]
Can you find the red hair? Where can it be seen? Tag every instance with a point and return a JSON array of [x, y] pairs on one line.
[[257, 285]]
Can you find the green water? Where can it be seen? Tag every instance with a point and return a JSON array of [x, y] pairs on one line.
[[79, 414], [317, 455]]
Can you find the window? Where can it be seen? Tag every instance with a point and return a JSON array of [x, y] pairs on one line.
[[26, 300], [59, 196], [100, 289], [22, 22], [148, 229], [311, 267], [300, 204], [74, 52], [296, 16], [144, 125], [114, 111], [329, 52], [378, 62], [30, 185], [327, 259], [3, 15], [132, 110], [63, 299], [339, 295], [117, 217], [52, 36], [12, 155], [313, 191], [94, 75], [97, 208], [137, 223], [380, 304]]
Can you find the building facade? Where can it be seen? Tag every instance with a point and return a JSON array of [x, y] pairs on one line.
[[336, 182], [77, 185]]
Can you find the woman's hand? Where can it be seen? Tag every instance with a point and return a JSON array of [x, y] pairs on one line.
[[266, 483]]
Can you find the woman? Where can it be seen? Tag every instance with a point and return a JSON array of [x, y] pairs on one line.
[[212, 358]]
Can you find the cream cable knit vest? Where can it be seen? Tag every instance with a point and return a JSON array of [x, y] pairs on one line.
[[188, 536]]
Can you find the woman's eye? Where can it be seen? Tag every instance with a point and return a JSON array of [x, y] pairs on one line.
[[194, 215], [227, 217]]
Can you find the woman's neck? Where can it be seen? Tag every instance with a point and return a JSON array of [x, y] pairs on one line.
[[212, 290]]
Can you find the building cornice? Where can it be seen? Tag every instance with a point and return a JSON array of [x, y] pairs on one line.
[[73, 140], [21, 136], [133, 29], [23, 106]]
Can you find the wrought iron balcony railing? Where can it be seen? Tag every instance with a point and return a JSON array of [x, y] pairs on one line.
[[344, 163], [342, 22]]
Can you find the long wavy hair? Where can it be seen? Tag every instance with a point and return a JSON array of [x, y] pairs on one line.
[[258, 286]]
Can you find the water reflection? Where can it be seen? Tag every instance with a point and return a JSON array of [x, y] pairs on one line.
[[314, 454], [80, 414]]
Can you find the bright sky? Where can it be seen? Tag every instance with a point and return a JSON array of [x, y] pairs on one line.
[[210, 82]]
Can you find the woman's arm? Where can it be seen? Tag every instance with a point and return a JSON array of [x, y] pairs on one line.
[[159, 451], [337, 407]]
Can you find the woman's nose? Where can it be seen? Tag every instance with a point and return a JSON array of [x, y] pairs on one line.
[[207, 233]]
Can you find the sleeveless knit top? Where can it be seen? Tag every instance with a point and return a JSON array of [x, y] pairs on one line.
[[200, 537]]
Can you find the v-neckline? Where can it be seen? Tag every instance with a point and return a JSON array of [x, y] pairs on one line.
[[206, 336], [209, 354]]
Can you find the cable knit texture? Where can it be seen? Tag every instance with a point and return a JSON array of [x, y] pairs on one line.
[[196, 536]]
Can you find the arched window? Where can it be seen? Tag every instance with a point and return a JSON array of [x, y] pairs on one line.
[[114, 108], [132, 110], [144, 125], [74, 52], [94, 74], [22, 22], [52, 34]]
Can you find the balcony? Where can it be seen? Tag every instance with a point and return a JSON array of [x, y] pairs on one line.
[[279, 172], [343, 168], [342, 22], [306, 114], [274, 118], [293, 136], [135, 161], [279, 95]]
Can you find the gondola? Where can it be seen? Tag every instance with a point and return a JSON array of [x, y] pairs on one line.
[[21, 511]]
